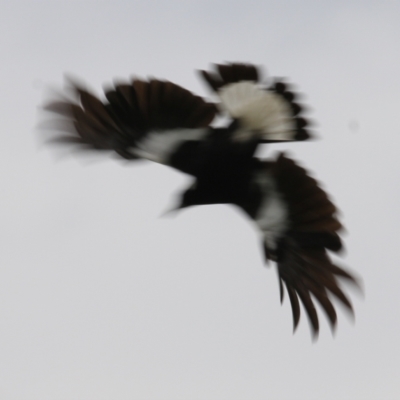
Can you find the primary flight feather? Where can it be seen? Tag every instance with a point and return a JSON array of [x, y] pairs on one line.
[[165, 123]]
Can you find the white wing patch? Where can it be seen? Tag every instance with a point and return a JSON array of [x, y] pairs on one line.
[[259, 110], [158, 146], [272, 217]]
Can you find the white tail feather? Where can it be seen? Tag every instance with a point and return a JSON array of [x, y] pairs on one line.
[[258, 110]]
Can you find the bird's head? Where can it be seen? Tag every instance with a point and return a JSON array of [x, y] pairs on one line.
[[188, 198], [196, 196]]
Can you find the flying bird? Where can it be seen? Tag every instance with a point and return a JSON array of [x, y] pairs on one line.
[[162, 122]]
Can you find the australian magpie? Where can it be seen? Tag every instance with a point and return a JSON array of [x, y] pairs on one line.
[[165, 123]]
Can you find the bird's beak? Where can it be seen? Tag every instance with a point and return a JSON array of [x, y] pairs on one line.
[[170, 212]]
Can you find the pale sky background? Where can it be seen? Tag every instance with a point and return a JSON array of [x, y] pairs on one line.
[[102, 299]]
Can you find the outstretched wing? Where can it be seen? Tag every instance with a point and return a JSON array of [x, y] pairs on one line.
[[270, 113], [299, 224], [143, 119]]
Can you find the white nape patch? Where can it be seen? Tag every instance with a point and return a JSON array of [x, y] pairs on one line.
[[258, 110], [272, 217], [158, 146]]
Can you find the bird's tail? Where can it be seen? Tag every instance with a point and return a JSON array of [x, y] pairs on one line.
[[271, 112]]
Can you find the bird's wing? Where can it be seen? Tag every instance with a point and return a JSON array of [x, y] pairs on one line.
[[272, 112], [299, 224], [142, 119]]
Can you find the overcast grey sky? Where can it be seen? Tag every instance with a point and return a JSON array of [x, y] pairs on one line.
[[102, 299]]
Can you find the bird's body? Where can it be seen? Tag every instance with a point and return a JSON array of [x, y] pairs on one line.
[[162, 122]]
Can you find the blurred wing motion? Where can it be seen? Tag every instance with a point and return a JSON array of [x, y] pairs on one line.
[[144, 119], [299, 225], [163, 122]]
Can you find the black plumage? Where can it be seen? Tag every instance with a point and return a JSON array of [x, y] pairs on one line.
[[163, 122]]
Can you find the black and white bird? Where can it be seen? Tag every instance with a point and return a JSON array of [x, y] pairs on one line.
[[165, 123]]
